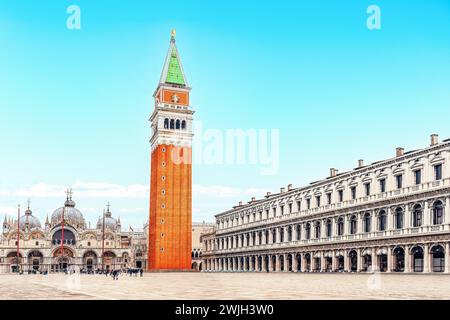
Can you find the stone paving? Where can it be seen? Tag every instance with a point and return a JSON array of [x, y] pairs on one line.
[[219, 286]]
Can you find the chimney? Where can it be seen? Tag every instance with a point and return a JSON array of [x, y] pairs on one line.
[[289, 187], [360, 163], [333, 172], [268, 194], [434, 139], [281, 190], [400, 152]]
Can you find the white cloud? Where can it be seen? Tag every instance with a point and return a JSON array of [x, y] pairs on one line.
[[40, 190], [9, 211]]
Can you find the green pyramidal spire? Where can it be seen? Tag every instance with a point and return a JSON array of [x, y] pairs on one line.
[[174, 73], [173, 70]]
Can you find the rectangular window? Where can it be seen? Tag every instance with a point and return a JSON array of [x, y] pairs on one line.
[[318, 201], [290, 208], [298, 206], [367, 188], [282, 210], [274, 212], [438, 172], [267, 214], [260, 215], [383, 185], [308, 204], [353, 189], [418, 177], [329, 198], [341, 195], [399, 180]]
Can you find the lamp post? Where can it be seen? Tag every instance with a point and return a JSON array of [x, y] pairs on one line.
[[18, 238], [103, 241]]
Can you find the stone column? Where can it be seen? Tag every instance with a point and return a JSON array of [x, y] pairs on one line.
[[346, 268], [374, 260], [390, 220], [294, 262], [408, 217], [359, 224], [359, 261], [277, 235], [322, 261], [426, 259], [407, 260], [333, 261], [447, 213], [277, 263], [447, 256], [294, 232], [270, 263], [346, 225], [389, 260], [426, 216]]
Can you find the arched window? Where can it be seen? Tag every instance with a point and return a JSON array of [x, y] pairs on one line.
[[267, 236], [382, 220], [274, 235], [299, 232], [260, 237], [367, 222], [172, 124], [69, 237], [438, 259], [308, 231], [340, 226], [290, 233], [281, 234], [353, 222], [166, 123], [329, 228], [438, 213], [177, 124], [183, 124], [317, 230], [417, 215], [399, 218]]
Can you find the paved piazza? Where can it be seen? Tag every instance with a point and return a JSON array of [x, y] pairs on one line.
[[226, 286]]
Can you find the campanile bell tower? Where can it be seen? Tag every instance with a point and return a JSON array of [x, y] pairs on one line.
[[170, 221]]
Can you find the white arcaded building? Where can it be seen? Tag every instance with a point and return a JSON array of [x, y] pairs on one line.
[[390, 216]]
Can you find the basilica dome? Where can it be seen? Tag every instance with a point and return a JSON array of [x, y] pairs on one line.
[[28, 220], [72, 215], [108, 220]]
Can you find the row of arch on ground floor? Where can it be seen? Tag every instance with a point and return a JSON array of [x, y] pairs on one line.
[[417, 258], [63, 259]]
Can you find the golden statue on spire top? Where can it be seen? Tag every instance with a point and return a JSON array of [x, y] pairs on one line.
[[173, 33]]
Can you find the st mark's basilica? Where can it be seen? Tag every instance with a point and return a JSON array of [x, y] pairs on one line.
[[67, 242]]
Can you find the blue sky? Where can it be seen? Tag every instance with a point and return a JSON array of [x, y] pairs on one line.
[[74, 104]]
